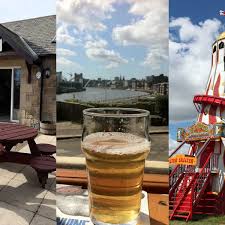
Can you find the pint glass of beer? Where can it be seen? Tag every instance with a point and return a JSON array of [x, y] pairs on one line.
[[115, 142]]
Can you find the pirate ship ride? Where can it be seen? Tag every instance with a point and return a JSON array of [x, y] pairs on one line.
[[197, 180]]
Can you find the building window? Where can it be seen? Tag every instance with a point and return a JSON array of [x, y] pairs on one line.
[[214, 49], [221, 45]]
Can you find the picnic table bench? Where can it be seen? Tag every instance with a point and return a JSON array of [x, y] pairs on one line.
[[12, 134]]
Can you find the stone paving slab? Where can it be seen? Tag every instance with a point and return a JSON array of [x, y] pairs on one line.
[[4, 181], [23, 195], [13, 215], [10, 170], [29, 175], [39, 220], [47, 208], [22, 200]]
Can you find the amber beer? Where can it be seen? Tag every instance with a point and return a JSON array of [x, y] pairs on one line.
[[115, 164]]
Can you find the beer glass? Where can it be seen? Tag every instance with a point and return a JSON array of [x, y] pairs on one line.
[[115, 142]]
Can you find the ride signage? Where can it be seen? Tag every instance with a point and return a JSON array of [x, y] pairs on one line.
[[201, 131], [182, 159]]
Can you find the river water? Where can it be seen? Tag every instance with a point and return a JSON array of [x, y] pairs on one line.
[[100, 95]]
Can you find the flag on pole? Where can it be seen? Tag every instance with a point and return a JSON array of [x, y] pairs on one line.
[[222, 13]]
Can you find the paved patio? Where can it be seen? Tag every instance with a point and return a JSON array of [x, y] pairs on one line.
[[22, 200]]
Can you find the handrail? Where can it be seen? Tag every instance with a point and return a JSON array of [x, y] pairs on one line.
[[203, 147], [207, 161], [177, 175], [200, 99], [185, 191], [196, 194], [174, 170], [173, 187], [192, 185], [177, 149]]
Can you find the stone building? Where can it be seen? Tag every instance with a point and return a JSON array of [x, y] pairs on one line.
[[164, 88], [28, 71], [160, 88]]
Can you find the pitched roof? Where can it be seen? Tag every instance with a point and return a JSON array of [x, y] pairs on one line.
[[38, 33], [19, 45]]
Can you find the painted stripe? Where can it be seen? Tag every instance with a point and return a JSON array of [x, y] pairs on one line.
[[216, 87], [212, 61], [212, 114], [207, 91], [200, 117], [190, 150]]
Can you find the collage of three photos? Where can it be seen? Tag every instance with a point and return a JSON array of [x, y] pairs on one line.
[[112, 112]]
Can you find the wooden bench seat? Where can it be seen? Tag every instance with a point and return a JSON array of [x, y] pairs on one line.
[[46, 149], [43, 166]]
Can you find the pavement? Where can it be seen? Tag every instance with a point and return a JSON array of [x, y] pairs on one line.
[[71, 146], [22, 200]]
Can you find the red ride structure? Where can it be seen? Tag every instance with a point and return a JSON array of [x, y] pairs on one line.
[[197, 180]]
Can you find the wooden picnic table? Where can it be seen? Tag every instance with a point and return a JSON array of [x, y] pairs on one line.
[[12, 134]]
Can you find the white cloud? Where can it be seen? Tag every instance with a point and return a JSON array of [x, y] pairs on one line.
[[154, 58], [64, 61], [142, 7], [97, 50], [96, 44], [151, 31], [190, 60], [112, 65], [85, 14], [65, 52], [64, 64], [63, 36]]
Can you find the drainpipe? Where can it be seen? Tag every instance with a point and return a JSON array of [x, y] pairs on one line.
[[41, 91], [41, 95]]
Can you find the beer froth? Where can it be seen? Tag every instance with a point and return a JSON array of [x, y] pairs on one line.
[[115, 143]]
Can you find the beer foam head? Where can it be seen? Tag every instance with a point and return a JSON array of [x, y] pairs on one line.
[[115, 143]]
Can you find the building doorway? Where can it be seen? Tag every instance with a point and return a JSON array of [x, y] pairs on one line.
[[9, 94], [5, 94]]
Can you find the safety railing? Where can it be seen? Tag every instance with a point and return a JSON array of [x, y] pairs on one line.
[[201, 181]]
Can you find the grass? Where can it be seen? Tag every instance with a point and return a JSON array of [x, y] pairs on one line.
[[200, 220]]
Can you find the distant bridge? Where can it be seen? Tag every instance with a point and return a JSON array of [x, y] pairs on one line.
[[87, 83]]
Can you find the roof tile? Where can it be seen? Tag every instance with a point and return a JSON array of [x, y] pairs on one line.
[[39, 33]]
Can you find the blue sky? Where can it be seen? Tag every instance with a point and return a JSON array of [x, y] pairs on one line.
[[112, 38], [16, 10], [197, 10], [194, 26]]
